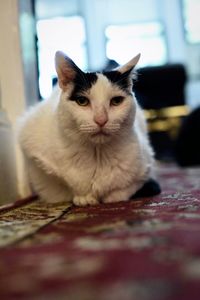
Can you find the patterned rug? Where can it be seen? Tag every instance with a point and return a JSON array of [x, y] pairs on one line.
[[146, 249]]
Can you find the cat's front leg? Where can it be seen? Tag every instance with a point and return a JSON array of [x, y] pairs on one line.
[[85, 200]]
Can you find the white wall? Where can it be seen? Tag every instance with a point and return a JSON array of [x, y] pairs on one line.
[[51, 8], [170, 15], [179, 50]]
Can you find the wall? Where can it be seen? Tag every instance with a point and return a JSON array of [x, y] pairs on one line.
[[11, 72], [8, 179], [15, 94]]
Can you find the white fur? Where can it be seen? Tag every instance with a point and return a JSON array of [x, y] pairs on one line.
[[68, 159]]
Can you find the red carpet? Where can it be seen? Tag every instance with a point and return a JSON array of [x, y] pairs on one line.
[[146, 249]]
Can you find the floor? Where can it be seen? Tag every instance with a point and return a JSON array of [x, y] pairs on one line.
[[145, 249]]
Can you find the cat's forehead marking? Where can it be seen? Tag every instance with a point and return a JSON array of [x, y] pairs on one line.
[[102, 87], [83, 82], [102, 82], [99, 85], [119, 79]]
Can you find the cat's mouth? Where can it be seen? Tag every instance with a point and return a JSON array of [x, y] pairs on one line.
[[100, 133], [100, 137]]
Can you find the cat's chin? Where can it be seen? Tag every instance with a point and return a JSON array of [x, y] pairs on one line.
[[100, 138]]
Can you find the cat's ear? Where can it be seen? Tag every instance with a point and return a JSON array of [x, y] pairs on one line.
[[66, 69], [129, 66]]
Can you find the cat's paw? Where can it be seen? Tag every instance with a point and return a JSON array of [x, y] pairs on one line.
[[85, 200]]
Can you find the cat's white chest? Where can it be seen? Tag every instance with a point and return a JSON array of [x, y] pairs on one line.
[[105, 178], [87, 173], [77, 170], [110, 174], [82, 172]]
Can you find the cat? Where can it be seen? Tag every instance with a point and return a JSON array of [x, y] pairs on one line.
[[88, 142]]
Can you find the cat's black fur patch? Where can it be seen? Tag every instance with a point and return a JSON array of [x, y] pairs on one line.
[[149, 189], [82, 82], [122, 80]]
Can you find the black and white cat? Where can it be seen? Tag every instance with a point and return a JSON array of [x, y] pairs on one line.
[[88, 142]]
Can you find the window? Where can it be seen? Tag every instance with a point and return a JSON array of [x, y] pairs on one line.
[[125, 41], [65, 34], [191, 9]]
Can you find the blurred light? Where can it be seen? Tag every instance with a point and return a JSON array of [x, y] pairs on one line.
[[191, 10], [125, 41], [65, 34]]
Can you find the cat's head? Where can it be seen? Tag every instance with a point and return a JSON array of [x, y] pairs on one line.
[[95, 106]]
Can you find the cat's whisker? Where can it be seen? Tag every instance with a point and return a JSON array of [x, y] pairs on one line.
[[117, 126], [88, 129], [85, 126], [110, 128]]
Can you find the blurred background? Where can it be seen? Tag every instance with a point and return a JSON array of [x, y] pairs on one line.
[[95, 33]]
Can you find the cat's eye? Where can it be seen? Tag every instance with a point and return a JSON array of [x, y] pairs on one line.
[[82, 101], [116, 100]]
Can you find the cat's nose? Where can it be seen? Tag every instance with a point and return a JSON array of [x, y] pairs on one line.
[[101, 120]]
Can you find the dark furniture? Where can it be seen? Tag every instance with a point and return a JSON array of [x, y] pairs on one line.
[[160, 90]]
